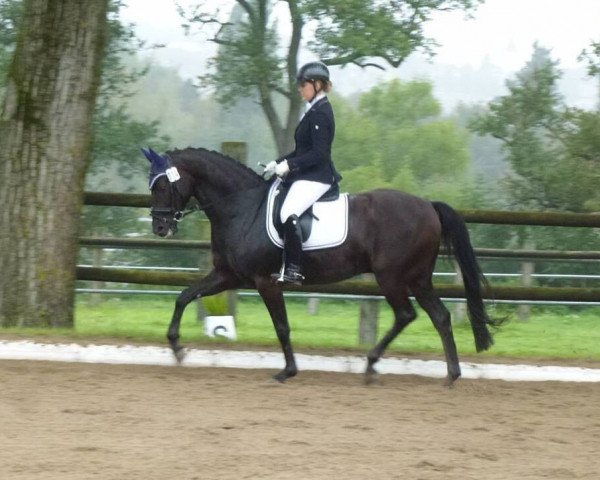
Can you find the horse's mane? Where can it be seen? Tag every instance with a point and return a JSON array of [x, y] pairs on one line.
[[218, 160]]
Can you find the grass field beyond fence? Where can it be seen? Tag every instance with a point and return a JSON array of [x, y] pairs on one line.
[[552, 332]]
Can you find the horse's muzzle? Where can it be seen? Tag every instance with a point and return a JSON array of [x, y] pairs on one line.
[[164, 230]]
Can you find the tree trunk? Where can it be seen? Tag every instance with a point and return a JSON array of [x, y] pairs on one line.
[[45, 149]]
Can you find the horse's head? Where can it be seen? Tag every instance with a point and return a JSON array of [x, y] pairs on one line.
[[168, 200]]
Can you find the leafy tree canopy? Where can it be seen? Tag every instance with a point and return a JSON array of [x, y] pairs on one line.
[[591, 56], [254, 60], [117, 136], [395, 138], [552, 148]]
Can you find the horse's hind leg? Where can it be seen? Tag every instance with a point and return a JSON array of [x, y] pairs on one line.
[[404, 313], [440, 316]]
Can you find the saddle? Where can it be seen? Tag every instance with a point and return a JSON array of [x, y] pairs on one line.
[[306, 219], [324, 225]]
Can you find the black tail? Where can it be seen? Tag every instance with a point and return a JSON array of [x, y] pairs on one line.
[[456, 239]]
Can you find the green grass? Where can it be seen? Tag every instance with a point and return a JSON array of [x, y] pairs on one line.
[[557, 332]]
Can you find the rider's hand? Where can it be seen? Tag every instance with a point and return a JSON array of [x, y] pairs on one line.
[[270, 168], [282, 169]]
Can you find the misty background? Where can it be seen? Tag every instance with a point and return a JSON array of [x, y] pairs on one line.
[[427, 142], [474, 59]]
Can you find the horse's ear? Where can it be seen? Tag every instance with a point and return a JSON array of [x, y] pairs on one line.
[[153, 154], [147, 154], [161, 161], [158, 162]]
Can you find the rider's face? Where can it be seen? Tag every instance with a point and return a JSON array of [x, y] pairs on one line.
[[307, 90]]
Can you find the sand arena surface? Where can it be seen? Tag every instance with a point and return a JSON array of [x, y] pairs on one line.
[[81, 421]]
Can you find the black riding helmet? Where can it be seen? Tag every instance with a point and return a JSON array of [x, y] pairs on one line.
[[313, 71]]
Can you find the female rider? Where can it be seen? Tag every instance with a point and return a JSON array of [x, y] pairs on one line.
[[308, 170]]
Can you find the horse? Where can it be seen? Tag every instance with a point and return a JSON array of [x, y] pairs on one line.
[[395, 236]]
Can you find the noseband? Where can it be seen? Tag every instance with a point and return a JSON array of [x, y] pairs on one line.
[[163, 213]]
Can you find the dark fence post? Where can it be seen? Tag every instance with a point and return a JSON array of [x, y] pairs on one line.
[[369, 322], [368, 319], [460, 308], [527, 271], [98, 261]]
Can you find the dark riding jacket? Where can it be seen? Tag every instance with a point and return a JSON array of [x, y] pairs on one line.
[[311, 160]]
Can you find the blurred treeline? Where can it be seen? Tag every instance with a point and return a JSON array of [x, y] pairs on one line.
[[393, 136], [527, 150]]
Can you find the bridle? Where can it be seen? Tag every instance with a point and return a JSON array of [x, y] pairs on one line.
[[176, 215]]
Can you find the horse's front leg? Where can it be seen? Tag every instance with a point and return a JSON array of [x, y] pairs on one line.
[[213, 283], [272, 295]]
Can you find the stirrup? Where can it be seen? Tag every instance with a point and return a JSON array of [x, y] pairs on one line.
[[291, 276]]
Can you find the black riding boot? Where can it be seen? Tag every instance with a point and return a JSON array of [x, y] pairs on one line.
[[292, 253]]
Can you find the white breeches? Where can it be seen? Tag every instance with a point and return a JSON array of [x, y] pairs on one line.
[[302, 194]]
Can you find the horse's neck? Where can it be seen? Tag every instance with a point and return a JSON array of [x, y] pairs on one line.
[[217, 190]]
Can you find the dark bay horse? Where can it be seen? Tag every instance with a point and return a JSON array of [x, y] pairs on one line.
[[394, 235]]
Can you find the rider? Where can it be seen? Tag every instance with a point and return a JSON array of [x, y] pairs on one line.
[[308, 170]]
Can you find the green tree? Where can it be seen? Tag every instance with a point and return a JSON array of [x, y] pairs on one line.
[[117, 136], [45, 149], [591, 56], [553, 149], [189, 116], [116, 163], [554, 154], [253, 60], [396, 138]]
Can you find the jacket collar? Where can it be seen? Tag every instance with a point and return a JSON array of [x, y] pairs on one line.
[[319, 100], [320, 96]]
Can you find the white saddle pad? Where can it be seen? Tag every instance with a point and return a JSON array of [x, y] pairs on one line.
[[330, 230]]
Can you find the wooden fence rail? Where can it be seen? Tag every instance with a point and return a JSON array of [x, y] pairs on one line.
[[360, 287], [125, 243], [497, 217], [355, 287]]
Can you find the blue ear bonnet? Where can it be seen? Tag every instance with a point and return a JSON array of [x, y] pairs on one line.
[[158, 165]]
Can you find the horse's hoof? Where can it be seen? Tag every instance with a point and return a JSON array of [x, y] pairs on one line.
[[371, 378], [449, 381], [180, 354], [282, 376], [371, 375]]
